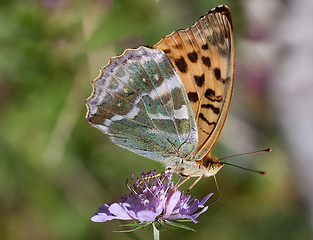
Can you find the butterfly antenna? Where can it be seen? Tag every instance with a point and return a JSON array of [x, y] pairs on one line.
[[248, 169], [218, 191], [243, 154]]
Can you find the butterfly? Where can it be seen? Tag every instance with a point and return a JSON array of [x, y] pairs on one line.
[[169, 102]]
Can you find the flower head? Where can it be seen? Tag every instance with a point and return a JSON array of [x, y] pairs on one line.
[[152, 199]]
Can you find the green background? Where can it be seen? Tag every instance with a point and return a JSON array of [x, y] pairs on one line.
[[56, 170]]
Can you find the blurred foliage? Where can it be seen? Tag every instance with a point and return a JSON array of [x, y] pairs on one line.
[[125, 24], [56, 170]]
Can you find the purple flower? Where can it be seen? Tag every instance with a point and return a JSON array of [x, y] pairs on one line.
[[153, 199]]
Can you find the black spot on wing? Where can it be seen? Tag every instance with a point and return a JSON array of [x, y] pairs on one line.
[[210, 106], [199, 80], [193, 96], [205, 47], [224, 80], [181, 64], [193, 56], [201, 116], [210, 94], [217, 73], [206, 61]]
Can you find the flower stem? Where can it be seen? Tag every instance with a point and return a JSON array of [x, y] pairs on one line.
[[156, 233]]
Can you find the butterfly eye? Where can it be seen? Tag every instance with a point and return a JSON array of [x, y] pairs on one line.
[[212, 168]]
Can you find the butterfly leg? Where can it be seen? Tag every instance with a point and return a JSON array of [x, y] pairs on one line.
[[194, 183], [153, 176], [181, 183]]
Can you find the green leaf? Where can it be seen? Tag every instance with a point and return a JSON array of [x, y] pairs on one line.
[[129, 230], [137, 224], [178, 225]]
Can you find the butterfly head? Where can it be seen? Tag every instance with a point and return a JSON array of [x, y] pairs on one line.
[[213, 165]]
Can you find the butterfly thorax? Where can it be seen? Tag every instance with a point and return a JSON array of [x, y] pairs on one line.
[[207, 166]]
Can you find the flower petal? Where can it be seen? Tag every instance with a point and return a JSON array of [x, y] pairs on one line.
[[160, 207], [102, 217], [146, 216], [119, 212], [194, 216], [104, 209], [189, 209], [203, 201], [171, 203]]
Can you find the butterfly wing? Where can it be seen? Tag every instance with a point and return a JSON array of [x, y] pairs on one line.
[[140, 102], [204, 57]]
